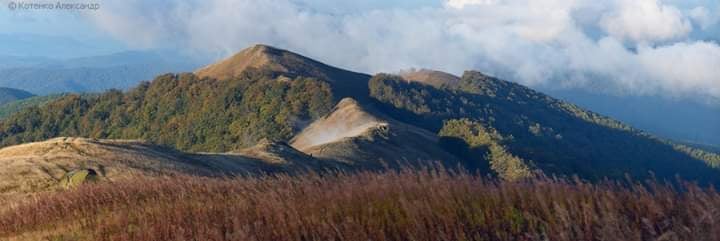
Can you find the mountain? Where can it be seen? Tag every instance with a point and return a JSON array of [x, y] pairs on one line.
[[8, 95], [90, 74], [514, 126], [198, 114], [280, 107], [290, 65]]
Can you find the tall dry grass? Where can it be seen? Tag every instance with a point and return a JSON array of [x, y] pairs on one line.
[[430, 204]]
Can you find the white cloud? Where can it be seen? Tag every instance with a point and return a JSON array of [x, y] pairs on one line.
[[703, 17], [645, 20], [683, 67], [463, 3], [633, 46]]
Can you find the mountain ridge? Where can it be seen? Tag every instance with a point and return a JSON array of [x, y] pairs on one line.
[[359, 135], [347, 119], [271, 104]]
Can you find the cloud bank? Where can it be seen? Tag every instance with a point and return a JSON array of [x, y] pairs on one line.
[[639, 47]]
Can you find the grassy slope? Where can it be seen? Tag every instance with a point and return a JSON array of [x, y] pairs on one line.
[[37, 167], [411, 205]]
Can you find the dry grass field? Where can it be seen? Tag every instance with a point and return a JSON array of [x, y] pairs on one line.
[[430, 204]]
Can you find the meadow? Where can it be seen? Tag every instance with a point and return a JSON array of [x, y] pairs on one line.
[[409, 204]]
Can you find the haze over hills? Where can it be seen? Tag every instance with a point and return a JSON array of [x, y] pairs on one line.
[[7, 62], [678, 119], [89, 74], [251, 105]]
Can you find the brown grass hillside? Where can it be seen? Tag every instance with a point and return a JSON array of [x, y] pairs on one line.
[[38, 166], [257, 56]]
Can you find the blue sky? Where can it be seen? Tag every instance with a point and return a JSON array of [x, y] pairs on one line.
[[638, 47], [55, 34]]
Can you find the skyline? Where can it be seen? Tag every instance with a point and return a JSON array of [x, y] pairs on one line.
[[670, 49]]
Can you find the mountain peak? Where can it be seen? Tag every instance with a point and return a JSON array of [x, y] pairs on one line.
[[430, 77], [263, 51], [260, 47], [258, 56], [289, 64]]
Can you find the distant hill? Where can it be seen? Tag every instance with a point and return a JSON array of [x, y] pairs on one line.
[[50, 45], [9, 95], [7, 62], [263, 98], [90, 74]]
